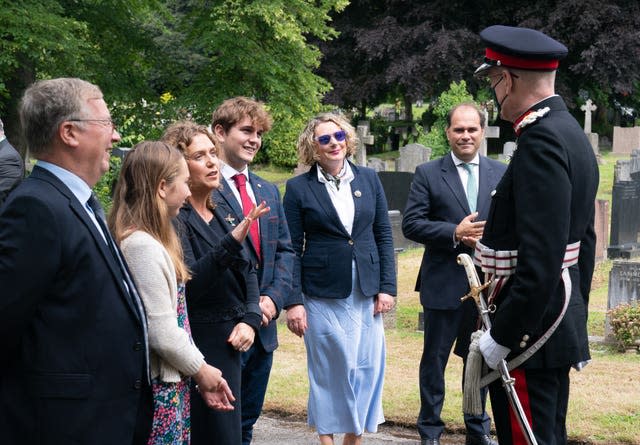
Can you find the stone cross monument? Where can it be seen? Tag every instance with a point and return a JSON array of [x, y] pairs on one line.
[[364, 139], [588, 108]]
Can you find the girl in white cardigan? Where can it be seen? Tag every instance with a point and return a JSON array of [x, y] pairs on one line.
[[152, 186]]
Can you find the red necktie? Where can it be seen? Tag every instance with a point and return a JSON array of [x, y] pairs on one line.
[[247, 205]]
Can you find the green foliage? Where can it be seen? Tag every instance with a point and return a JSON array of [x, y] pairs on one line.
[[260, 49], [625, 324], [147, 120], [436, 138], [104, 188]]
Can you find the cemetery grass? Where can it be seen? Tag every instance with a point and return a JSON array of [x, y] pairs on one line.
[[605, 397]]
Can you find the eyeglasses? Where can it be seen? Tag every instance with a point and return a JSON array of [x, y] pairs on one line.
[[203, 156], [103, 122], [326, 138]]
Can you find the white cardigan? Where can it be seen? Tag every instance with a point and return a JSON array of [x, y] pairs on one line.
[[172, 352]]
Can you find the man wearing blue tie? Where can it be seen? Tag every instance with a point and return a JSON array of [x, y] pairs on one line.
[[72, 332], [446, 208]]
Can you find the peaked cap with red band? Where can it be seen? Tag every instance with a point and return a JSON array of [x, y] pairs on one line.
[[520, 48]]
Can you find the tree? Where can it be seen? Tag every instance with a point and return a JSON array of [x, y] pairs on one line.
[[415, 49], [396, 48], [436, 138], [256, 48], [102, 41]]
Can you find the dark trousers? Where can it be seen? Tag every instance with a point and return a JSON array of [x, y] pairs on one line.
[[256, 367], [442, 327], [544, 395]]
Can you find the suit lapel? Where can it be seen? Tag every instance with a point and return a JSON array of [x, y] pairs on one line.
[[199, 225], [452, 179], [260, 191], [358, 201], [224, 196], [322, 196], [81, 213]]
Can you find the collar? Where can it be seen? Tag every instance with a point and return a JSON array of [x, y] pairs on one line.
[[228, 172], [531, 115], [457, 161], [345, 175], [78, 187]]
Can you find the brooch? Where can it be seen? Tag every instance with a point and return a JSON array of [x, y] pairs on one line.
[[530, 118], [230, 219]]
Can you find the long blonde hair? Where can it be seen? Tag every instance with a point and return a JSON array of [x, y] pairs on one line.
[[137, 205]]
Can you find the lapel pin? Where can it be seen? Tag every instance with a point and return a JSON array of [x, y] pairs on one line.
[[357, 193], [231, 220], [493, 192], [259, 185]]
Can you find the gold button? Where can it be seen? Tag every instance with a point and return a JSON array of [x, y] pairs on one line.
[[523, 344], [525, 337]]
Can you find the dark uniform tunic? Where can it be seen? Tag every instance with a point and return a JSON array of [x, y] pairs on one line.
[[544, 201]]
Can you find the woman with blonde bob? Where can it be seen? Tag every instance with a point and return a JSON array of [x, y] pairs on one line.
[[150, 191], [344, 279]]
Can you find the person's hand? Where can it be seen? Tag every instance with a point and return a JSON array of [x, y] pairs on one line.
[[383, 304], [241, 230], [242, 336], [297, 319], [492, 352], [268, 308], [221, 399], [208, 377], [469, 231]]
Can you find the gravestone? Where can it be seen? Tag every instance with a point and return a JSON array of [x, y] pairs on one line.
[[601, 227], [411, 156], [625, 139], [508, 150], [588, 107], [625, 209], [400, 243], [624, 287], [377, 164], [364, 139], [396, 187], [490, 132]]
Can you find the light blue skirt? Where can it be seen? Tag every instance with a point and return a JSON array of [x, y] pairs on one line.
[[345, 358]]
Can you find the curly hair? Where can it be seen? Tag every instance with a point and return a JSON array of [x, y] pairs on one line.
[[306, 141]]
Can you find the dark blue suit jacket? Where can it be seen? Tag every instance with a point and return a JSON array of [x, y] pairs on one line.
[[325, 250], [71, 338], [275, 269], [435, 206]]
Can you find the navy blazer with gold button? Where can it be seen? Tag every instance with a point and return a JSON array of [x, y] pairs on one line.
[[325, 250]]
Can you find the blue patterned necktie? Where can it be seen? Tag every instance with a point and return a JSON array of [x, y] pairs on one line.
[[472, 188]]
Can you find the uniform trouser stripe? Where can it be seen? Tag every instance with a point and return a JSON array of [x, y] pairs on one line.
[[517, 436]]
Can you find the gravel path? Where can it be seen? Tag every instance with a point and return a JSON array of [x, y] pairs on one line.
[[270, 430]]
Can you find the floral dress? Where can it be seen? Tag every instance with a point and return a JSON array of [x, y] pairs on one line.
[[171, 402]]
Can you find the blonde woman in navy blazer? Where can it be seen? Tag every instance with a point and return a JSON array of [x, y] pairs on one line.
[[344, 279]]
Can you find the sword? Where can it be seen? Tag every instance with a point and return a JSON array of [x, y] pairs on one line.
[[508, 382]]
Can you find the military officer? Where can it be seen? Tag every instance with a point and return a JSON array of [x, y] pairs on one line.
[[538, 242]]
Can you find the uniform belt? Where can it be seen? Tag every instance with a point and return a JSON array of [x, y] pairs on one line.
[[500, 265]]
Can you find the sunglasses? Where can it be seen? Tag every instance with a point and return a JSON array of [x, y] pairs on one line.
[[326, 138]]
